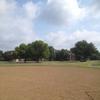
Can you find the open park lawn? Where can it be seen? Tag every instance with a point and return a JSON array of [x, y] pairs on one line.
[[49, 82]]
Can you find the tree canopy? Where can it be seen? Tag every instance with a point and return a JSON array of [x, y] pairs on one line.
[[84, 50], [51, 53], [39, 50]]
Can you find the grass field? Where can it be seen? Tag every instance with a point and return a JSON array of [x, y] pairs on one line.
[[93, 64], [50, 81]]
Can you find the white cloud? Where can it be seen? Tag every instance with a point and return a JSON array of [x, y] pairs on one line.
[[16, 23], [90, 36], [64, 40], [93, 11], [5, 7], [96, 5], [31, 9], [62, 12], [57, 40]]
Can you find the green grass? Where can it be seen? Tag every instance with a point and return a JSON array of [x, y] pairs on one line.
[[90, 64]]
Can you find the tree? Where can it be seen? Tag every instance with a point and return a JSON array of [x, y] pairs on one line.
[[52, 53], [62, 55], [8, 55], [84, 50], [57, 55], [39, 50], [21, 52], [1, 56]]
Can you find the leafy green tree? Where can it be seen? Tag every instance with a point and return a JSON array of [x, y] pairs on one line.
[[84, 50], [21, 52], [57, 55], [62, 55], [39, 50], [1, 56], [8, 55], [52, 53]]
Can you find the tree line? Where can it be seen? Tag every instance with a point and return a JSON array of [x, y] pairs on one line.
[[39, 50]]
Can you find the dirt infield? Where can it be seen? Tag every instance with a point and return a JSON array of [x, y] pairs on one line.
[[49, 83]]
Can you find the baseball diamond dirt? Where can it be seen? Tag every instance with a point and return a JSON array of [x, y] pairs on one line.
[[49, 83]]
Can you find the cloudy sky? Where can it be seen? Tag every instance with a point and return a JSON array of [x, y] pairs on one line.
[[60, 23]]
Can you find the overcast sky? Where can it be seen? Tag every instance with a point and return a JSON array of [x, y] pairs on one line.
[[60, 23]]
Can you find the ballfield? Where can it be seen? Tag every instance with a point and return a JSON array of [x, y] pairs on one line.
[[50, 81]]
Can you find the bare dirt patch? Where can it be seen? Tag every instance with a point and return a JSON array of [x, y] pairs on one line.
[[49, 83]]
